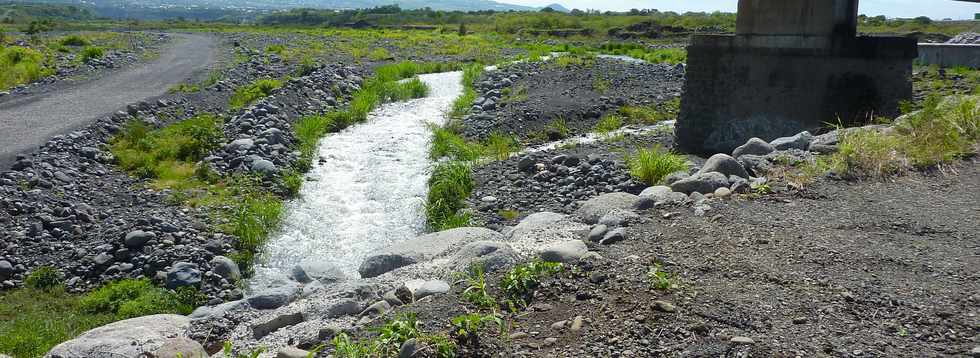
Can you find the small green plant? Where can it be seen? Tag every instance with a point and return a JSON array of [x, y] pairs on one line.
[[345, 347], [446, 142], [500, 146], [518, 94], [520, 282], [168, 154], [380, 54], [276, 49], [601, 85], [247, 94], [44, 278], [229, 352], [868, 153], [651, 165], [91, 52], [393, 333], [293, 181], [509, 214], [74, 40], [660, 279], [184, 88], [557, 129], [476, 289], [466, 328]]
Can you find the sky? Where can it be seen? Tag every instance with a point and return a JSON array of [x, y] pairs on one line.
[[936, 9]]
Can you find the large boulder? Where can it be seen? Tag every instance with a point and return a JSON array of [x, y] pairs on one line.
[[278, 294], [725, 164], [535, 222], [324, 272], [137, 238], [754, 146], [423, 248], [594, 209], [226, 268], [127, 338], [703, 183]]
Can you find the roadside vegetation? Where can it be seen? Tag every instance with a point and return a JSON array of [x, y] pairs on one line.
[[651, 165], [252, 92]]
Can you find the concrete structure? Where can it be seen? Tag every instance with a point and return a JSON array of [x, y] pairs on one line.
[[792, 65], [950, 55]]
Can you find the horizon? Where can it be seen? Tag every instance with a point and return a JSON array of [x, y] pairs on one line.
[[935, 9]]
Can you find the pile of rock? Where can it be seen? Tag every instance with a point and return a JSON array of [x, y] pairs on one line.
[[543, 182], [260, 138], [524, 97], [965, 38]]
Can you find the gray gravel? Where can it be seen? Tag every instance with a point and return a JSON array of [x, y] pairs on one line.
[[29, 121]]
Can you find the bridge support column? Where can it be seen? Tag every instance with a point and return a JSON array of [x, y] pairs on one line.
[[793, 65]]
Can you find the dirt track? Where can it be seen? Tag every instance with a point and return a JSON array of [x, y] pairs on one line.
[[28, 121]]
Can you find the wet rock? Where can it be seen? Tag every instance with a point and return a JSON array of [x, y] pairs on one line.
[[279, 294], [181, 347], [754, 146], [568, 251], [423, 248], [724, 164], [183, 274], [275, 323], [127, 338], [323, 272]]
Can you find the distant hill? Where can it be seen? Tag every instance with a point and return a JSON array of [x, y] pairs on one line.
[[450, 5], [557, 7]]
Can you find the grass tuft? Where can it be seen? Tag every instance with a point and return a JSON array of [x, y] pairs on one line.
[[247, 94], [451, 183], [651, 165]]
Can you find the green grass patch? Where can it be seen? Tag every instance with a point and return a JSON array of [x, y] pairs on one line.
[[651, 114], [651, 165], [944, 130], [252, 92], [608, 124], [33, 320], [519, 284], [167, 154], [74, 40], [90, 52], [451, 183]]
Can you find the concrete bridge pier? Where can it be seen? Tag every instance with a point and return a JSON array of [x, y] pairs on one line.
[[792, 65]]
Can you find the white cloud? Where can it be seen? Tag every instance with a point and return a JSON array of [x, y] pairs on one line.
[[937, 9]]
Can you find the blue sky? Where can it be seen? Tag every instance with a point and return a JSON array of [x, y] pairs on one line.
[[937, 9]]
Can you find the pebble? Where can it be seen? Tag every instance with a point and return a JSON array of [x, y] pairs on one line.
[[577, 324], [742, 340], [664, 306]]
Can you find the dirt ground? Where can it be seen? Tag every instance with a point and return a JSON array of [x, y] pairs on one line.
[[842, 269]]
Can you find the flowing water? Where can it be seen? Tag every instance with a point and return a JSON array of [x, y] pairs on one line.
[[369, 190]]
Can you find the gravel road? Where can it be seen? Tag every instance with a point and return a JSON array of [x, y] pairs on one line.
[[27, 122]]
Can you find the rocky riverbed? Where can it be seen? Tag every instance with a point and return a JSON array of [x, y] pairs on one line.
[[525, 97]]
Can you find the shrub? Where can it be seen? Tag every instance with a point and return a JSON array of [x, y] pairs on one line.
[[942, 131], [44, 278], [19, 65], [451, 183], [91, 52], [247, 94], [167, 154], [651, 165], [73, 40], [520, 282]]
